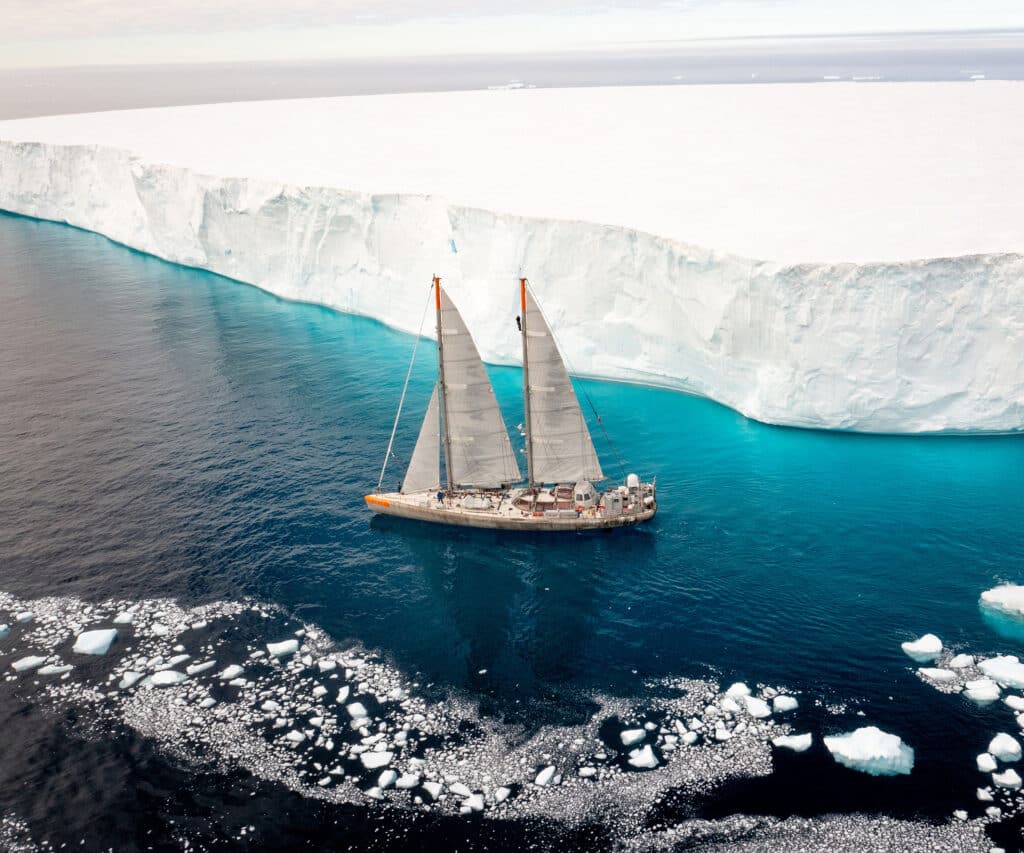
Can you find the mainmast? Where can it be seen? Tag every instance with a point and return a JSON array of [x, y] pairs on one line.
[[442, 388], [526, 386]]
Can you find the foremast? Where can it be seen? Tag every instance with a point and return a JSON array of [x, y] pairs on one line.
[[442, 390]]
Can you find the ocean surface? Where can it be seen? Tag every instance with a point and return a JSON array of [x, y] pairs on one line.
[[167, 433]]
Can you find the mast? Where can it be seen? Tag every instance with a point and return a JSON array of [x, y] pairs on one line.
[[442, 389], [526, 386]]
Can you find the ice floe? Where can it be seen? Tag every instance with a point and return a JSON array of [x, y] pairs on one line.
[[1006, 670], [986, 763], [797, 743], [1007, 599], [1005, 747], [784, 704], [29, 662], [872, 751], [925, 649], [981, 690], [1007, 779], [95, 642]]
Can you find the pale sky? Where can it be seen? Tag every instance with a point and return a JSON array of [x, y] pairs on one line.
[[37, 33]]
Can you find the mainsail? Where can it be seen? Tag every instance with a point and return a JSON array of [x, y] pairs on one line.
[[477, 447], [425, 466], [559, 447]]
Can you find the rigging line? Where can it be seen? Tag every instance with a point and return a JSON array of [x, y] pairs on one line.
[[405, 387], [573, 373]]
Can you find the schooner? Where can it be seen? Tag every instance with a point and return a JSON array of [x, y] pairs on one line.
[[482, 485]]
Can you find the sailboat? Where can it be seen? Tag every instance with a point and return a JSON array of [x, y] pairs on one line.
[[482, 484]]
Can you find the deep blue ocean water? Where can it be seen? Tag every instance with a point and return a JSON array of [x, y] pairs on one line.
[[167, 432]]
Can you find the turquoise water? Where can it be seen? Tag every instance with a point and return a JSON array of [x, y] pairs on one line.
[[164, 431]]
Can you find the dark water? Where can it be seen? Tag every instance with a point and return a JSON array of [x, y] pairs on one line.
[[997, 55], [165, 432]]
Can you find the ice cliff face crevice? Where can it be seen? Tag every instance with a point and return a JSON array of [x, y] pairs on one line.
[[902, 346]]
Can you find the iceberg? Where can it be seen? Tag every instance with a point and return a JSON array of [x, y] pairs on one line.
[[4, 631], [986, 763], [643, 758], [1007, 599], [797, 743], [283, 649], [95, 642], [1006, 670], [1007, 779], [545, 776], [27, 663], [784, 704], [926, 649], [872, 751], [773, 306], [1005, 747], [631, 737], [981, 690]]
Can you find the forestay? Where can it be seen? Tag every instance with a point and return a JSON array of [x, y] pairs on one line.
[[425, 466], [480, 453], [562, 448]]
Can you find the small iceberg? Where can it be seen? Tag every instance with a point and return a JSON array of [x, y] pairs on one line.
[[784, 704], [631, 737], [1007, 599], [643, 758], [757, 708], [230, 673], [283, 649], [4, 631], [56, 669], [872, 751], [923, 650], [376, 760], [28, 663], [167, 678], [1008, 779], [797, 743], [939, 675], [986, 763], [981, 690], [95, 642], [1005, 747], [545, 776], [1007, 670]]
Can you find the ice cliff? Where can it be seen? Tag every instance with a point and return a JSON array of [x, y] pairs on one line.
[[890, 346]]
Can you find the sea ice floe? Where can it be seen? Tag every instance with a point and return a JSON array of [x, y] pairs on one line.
[[1007, 779], [27, 663], [55, 669], [872, 751], [387, 778], [961, 661], [375, 760], [24, 617], [130, 679], [283, 649], [125, 617], [784, 704], [167, 678], [434, 789], [1015, 702], [230, 673], [797, 743], [1007, 599], [197, 668], [545, 776], [927, 648], [938, 674], [986, 763], [631, 737], [1007, 670], [4, 631], [757, 708], [1005, 747], [737, 690], [643, 758], [981, 690], [95, 642]]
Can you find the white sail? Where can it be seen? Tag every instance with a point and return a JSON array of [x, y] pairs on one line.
[[562, 450], [480, 451], [425, 466]]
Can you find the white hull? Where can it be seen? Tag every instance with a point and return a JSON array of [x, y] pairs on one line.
[[504, 516]]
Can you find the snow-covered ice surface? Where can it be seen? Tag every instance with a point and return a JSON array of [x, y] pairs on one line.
[[815, 272], [407, 750], [872, 751]]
